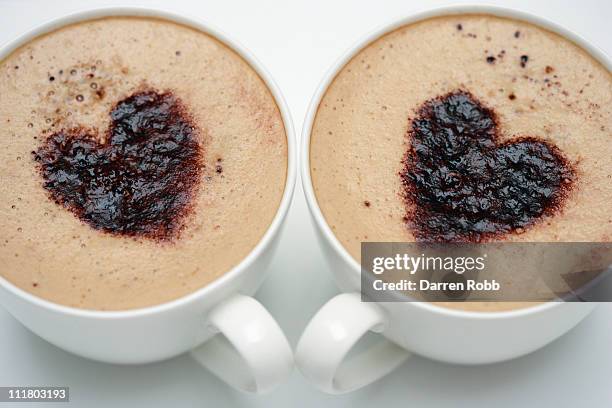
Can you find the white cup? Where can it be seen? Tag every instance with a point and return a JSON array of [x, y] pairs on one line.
[[252, 354], [443, 334]]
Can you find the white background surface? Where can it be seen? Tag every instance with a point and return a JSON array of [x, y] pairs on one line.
[[297, 42]]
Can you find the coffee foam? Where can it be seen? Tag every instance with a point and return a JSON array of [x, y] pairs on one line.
[[50, 252], [359, 135]]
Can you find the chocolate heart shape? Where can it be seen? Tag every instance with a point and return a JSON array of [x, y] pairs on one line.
[[140, 180], [461, 184]]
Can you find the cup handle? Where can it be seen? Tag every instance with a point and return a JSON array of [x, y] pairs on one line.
[[329, 336], [253, 355]]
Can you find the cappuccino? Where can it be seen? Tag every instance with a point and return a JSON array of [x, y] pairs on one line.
[[466, 128], [142, 159]]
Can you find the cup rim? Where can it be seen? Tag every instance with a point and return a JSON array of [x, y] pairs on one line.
[[377, 33], [94, 13]]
